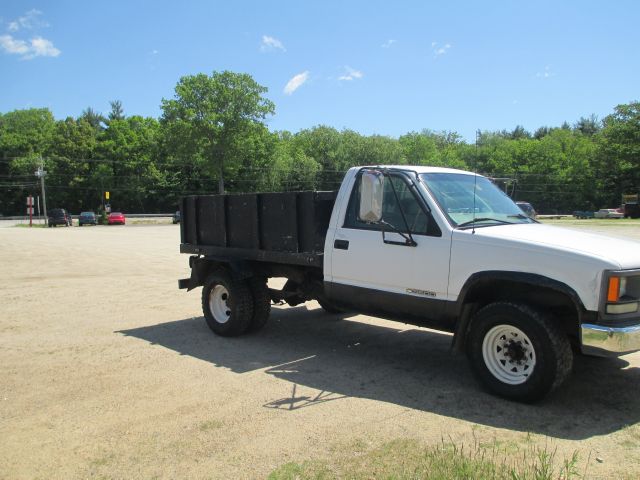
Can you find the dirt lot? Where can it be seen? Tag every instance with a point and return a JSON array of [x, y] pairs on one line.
[[108, 370]]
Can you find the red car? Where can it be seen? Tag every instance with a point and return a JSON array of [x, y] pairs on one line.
[[116, 218]]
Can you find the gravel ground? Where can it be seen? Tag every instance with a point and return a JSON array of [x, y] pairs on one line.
[[109, 371]]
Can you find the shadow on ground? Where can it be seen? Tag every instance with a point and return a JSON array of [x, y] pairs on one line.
[[412, 368]]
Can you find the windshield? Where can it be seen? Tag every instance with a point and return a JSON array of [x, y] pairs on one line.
[[454, 192]]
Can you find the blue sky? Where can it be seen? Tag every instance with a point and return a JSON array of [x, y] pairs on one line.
[[371, 66]]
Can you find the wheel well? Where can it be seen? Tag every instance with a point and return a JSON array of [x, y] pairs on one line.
[[558, 304]]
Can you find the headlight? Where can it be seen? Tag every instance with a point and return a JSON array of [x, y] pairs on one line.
[[623, 292], [617, 309], [623, 286]]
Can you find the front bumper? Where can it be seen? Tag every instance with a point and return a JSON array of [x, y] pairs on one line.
[[603, 341]]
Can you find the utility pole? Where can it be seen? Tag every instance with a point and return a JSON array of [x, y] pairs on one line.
[[41, 173]]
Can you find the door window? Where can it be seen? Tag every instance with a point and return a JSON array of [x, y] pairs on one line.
[[398, 199]]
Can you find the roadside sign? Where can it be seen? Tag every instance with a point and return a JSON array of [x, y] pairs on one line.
[[30, 209], [106, 195], [107, 208]]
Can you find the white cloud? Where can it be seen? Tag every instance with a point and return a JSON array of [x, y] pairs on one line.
[[37, 47], [547, 73], [28, 21], [41, 47], [270, 44], [296, 82], [388, 43], [439, 50], [28, 49], [13, 46], [351, 74]]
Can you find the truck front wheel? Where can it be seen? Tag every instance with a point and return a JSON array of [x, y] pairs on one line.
[[227, 304], [518, 352]]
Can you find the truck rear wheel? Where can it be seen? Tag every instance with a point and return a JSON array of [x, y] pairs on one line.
[[261, 303], [329, 307], [517, 352], [227, 304]]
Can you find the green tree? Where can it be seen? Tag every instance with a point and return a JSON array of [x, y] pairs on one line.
[[292, 169], [69, 165], [618, 165], [209, 115], [418, 149], [116, 113], [542, 132], [95, 119], [128, 147], [519, 132], [25, 136], [588, 126], [325, 146], [26, 132]]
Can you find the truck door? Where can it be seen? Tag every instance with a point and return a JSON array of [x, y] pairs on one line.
[[391, 278]]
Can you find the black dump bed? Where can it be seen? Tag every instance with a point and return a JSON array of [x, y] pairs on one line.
[[288, 227]]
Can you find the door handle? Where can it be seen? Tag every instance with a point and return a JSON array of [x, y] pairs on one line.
[[341, 244]]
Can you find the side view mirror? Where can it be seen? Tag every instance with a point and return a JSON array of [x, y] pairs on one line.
[[371, 191]]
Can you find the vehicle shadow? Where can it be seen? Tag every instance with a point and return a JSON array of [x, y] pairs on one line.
[[413, 368]]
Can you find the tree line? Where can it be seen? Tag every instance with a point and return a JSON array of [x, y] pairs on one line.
[[212, 136]]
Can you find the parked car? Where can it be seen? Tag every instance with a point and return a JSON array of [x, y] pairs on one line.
[[87, 218], [176, 217], [528, 209], [116, 218], [59, 216], [608, 213], [583, 214]]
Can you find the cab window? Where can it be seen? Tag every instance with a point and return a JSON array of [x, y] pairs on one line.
[[394, 205]]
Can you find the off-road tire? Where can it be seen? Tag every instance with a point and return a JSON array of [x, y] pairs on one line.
[[552, 355], [232, 304], [261, 303]]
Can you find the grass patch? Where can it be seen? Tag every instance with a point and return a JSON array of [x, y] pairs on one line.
[[26, 225], [594, 222], [630, 437], [408, 459], [210, 425], [102, 461], [149, 221]]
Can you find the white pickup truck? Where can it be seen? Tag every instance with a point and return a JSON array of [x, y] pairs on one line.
[[434, 247]]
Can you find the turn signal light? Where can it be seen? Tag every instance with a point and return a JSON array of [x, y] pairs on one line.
[[613, 292]]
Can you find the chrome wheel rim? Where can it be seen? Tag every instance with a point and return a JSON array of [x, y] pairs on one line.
[[218, 306], [509, 354]]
